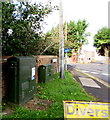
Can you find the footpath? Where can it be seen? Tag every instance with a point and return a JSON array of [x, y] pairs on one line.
[[91, 85]]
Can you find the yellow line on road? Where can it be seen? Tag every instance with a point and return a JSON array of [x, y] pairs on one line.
[[95, 78]]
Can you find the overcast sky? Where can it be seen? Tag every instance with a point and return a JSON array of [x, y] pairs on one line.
[[94, 11]]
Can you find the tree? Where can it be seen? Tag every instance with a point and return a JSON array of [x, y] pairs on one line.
[[53, 40], [25, 20], [76, 37], [102, 41], [76, 34]]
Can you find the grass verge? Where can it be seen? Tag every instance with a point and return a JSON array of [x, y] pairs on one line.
[[56, 91]]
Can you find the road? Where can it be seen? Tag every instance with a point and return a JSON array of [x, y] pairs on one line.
[[99, 70], [91, 86]]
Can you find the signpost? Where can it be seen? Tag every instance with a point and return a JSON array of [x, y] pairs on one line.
[[66, 50]]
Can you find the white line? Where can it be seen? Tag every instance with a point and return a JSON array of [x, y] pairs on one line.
[[94, 72], [89, 82], [105, 74], [95, 78]]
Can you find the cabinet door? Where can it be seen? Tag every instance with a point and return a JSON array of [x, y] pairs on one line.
[[13, 81]]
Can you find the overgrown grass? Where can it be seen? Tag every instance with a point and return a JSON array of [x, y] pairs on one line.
[[57, 91]]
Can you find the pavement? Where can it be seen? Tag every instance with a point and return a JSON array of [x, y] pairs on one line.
[[92, 85]]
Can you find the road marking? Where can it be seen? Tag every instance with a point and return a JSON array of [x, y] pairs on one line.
[[95, 72], [105, 74], [95, 78], [89, 82]]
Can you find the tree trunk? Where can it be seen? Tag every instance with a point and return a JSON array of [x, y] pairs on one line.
[[107, 54], [78, 53]]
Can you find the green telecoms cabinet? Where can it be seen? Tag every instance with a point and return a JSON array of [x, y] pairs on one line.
[[45, 73], [22, 82]]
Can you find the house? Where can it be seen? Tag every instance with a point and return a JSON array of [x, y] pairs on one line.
[[86, 56]]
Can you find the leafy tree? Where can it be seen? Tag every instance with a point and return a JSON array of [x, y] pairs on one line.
[[51, 45], [53, 38], [102, 41], [25, 20], [53, 41], [76, 36]]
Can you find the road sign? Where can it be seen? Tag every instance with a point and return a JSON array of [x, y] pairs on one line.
[[81, 109], [66, 50]]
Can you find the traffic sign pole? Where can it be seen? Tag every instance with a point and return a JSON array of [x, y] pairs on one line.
[[66, 61]]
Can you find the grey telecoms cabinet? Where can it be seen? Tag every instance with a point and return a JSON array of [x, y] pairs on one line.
[[22, 82]]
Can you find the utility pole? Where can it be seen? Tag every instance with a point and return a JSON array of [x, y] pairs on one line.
[[65, 41], [109, 14], [109, 25], [61, 37]]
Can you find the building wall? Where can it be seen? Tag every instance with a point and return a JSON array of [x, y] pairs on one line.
[[46, 59], [74, 57], [102, 59], [4, 76], [86, 56]]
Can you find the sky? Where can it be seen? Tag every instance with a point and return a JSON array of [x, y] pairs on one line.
[[95, 12]]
